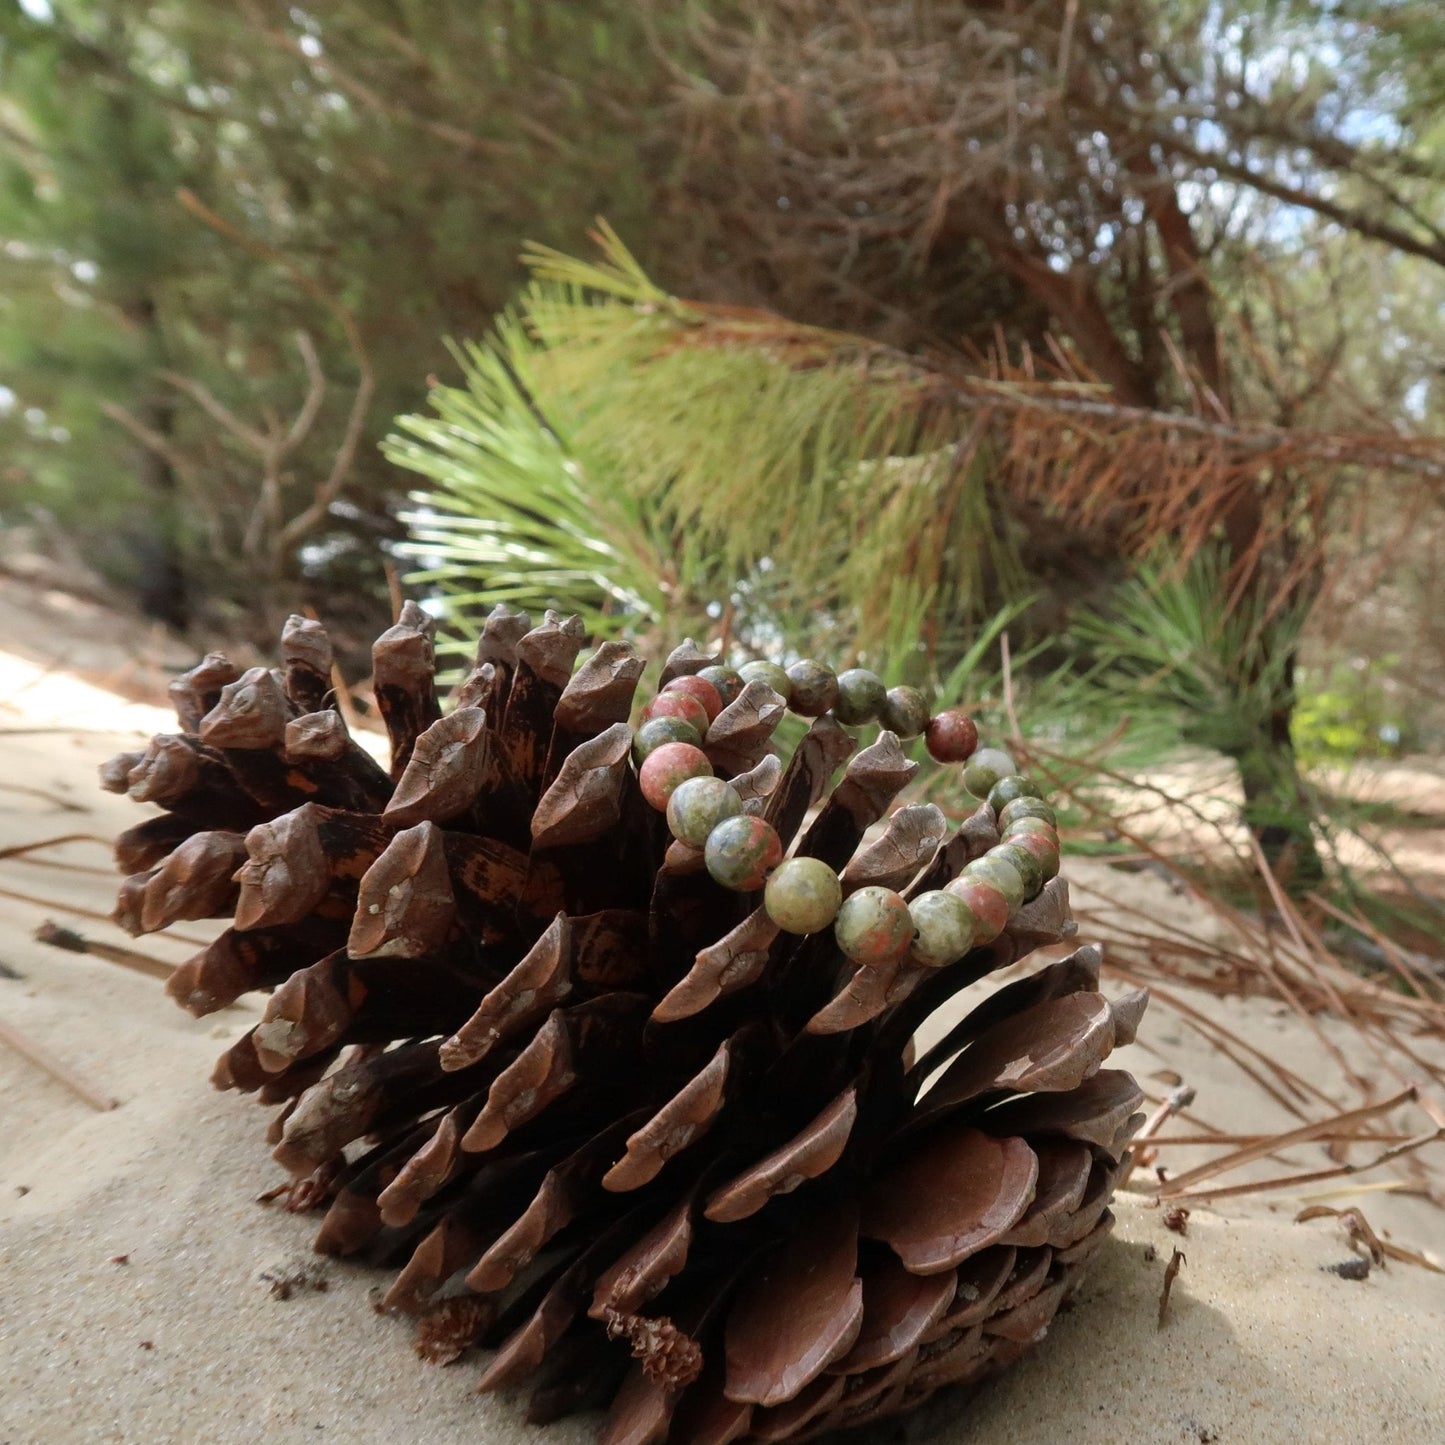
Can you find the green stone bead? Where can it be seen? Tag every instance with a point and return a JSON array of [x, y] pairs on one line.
[[815, 688], [740, 853], [861, 696], [1043, 846], [1002, 874], [769, 672], [727, 680], [985, 768], [1007, 790], [943, 928], [1010, 813], [905, 711], [1029, 823], [659, 730], [874, 927], [803, 895], [1030, 869], [989, 907], [697, 806]]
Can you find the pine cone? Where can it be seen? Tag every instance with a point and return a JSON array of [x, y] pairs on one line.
[[594, 1108]]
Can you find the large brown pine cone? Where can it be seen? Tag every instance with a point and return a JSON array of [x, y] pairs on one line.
[[590, 1106]]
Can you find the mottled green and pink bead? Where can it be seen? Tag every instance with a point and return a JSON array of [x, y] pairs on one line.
[[803, 895], [904, 711], [951, 736], [984, 901], [666, 768], [660, 730], [1029, 868], [943, 928], [679, 705], [741, 852], [985, 768], [861, 696], [700, 689], [874, 927], [1002, 874], [726, 680], [697, 806], [814, 688], [1044, 846], [1025, 808], [769, 673]]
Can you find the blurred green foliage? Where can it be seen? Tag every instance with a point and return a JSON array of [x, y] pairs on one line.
[[1348, 709]]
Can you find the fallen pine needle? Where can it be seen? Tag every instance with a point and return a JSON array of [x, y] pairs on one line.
[[1380, 1186], [1167, 1189], [1304, 1134], [61, 1073], [21, 850]]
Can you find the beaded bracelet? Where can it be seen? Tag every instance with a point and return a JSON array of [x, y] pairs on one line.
[[873, 926]]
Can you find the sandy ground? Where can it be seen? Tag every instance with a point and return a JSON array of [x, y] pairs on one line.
[[184, 1340]]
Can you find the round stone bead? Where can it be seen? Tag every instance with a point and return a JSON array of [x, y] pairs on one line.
[[905, 711], [697, 806], [815, 688], [659, 730], [985, 768], [1010, 813], [943, 928], [701, 689], [1029, 823], [803, 895], [951, 736], [874, 927], [1029, 867], [861, 696], [726, 679], [1043, 846], [666, 768], [769, 672], [988, 906], [1002, 874], [740, 853], [1010, 789], [678, 704]]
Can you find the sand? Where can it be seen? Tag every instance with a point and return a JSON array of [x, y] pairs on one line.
[[185, 1340]]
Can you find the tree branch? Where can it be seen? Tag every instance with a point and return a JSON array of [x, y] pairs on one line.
[[330, 488]]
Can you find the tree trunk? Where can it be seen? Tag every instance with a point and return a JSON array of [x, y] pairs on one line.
[[1278, 807], [164, 592]]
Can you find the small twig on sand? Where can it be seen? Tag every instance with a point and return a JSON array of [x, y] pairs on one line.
[[73, 942], [27, 1048], [1171, 1273]]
